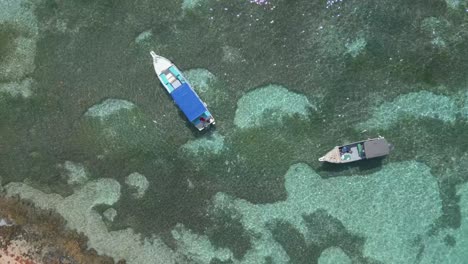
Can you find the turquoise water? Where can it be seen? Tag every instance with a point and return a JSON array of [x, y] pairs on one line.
[[81, 110]]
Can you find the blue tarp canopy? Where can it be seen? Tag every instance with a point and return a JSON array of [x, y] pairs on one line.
[[188, 101]]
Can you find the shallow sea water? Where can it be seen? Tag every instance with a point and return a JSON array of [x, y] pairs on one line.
[[83, 115]]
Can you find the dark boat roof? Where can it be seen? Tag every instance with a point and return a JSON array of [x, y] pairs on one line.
[[188, 101], [376, 148]]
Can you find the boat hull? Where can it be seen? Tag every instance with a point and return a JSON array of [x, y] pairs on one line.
[[182, 93], [361, 150]]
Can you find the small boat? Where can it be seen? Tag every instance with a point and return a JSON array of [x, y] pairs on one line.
[[182, 93], [361, 150]]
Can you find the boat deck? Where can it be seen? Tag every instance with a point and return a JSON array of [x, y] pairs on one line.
[[354, 153], [360, 150]]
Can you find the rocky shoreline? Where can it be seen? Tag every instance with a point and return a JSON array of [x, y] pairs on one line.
[[29, 235]]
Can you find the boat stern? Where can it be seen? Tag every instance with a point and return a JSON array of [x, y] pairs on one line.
[[204, 121]]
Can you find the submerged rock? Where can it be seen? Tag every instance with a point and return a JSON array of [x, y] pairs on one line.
[[144, 36], [109, 107], [232, 54], [269, 104], [23, 88], [75, 173], [190, 4], [213, 144], [455, 4], [138, 182], [201, 80], [110, 214], [355, 47]]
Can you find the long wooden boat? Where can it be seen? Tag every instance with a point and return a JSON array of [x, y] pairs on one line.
[[361, 150]]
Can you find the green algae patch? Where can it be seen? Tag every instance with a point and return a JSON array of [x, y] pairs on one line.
[[421, 104], [389, 208], [270, 104]]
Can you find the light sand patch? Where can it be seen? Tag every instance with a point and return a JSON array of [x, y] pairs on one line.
[[108, 107], [389, 208], [270, 104], [421, 104], [214, 144], [437, 248], [334, 255]]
